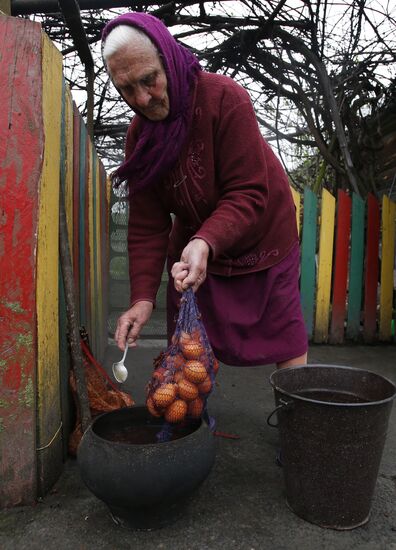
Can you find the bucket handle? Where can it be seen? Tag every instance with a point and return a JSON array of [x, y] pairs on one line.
[[283, 405]]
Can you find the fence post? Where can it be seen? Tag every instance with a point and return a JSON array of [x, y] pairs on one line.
[[356, 269], [325, 262], [308, 252], [340, 277]]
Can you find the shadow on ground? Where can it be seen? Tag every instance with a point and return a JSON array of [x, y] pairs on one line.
[[242, 504]]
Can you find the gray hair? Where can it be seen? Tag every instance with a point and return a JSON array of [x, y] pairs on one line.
[[122, 36]]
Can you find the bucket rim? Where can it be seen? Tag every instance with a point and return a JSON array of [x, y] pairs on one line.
[[202, 425], [330, 403]]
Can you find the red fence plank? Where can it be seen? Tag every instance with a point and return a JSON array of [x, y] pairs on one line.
[[21, 155], [371, 270], [340, 273]]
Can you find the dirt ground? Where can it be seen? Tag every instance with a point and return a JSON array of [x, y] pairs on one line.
[[242, 504]]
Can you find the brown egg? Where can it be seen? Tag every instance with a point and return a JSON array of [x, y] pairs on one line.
[[175, 362], [151, 407], [165, 395], [176, 411], [192, 349], [195, 408], [184, 337], [158, 374], [196, 335], [195, 371], [178, 376], [205, 386], [187, 390]]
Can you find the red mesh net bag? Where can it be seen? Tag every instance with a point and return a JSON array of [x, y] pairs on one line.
[[103, 394], [184, 374]]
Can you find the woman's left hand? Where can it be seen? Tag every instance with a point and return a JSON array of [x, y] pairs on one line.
[[191, 270]]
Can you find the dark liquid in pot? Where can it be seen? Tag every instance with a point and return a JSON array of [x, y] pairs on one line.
[[143, 434], [329, 396]]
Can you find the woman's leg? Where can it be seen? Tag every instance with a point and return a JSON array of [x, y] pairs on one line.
[[301, 360]]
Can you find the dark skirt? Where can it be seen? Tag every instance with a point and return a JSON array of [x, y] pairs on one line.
[[252, 319]]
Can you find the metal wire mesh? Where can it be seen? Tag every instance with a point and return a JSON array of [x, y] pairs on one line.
[[119, 273]]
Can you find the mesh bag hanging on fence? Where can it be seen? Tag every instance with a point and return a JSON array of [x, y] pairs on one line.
[[103, 394], [184, 374]]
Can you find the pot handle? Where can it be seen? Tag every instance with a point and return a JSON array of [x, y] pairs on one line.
[[283, 405]]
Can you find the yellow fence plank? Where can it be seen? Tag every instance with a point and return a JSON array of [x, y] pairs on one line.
[[92, 316], [297, 203], [387, 266], [48, 391], [325, 264], [98, 268]]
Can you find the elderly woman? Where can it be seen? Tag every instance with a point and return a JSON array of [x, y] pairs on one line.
[[194, 150]]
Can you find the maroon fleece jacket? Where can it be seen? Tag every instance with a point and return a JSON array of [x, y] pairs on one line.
[[227, 188]]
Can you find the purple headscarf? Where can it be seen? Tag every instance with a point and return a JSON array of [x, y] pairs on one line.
[[159, 142]]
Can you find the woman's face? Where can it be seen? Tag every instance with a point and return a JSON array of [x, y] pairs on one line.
[[138, 74]]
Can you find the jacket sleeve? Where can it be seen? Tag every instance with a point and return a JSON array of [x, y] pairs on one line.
[[148, 234], [242, 179]]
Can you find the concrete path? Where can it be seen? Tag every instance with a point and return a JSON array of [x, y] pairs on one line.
[[242, 504]]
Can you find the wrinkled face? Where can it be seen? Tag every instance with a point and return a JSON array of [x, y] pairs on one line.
[[138, 74]]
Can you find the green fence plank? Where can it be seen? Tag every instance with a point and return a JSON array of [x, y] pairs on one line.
[[355, 289], [308, 264], [82, 225]]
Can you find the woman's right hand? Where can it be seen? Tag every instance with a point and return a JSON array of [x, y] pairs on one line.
[[130, 324]]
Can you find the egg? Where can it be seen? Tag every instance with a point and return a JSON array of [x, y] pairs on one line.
[[192, 349], [178, 376], [195, 408], [194, 371], [205, 386], [175, 362], [187, 390], [165, 395], [196, 335], [176, 411], [158, 374], [151, 407], [184, 337]]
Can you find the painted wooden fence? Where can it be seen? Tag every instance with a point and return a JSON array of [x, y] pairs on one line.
[[43, 145], [347, 267]]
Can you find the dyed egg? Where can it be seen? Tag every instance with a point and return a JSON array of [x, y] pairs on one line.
[[178, 376], [158, 374], [187, 390], [176, 411], [195, 371], [205, 386], [175, 362], [151, 407], [184, 337], [192, 349], [168, 375], [195, 408], [196, 335], [165, 395]]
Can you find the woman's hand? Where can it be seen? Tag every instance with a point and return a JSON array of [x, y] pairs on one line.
[[131, 323], [191, 270]]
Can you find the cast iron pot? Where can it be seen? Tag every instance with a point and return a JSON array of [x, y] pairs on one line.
[[145, 485]]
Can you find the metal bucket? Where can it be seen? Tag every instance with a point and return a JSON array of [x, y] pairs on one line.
[[332, 424]]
